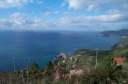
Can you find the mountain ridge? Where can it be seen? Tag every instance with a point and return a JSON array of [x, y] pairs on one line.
[[121, 32]]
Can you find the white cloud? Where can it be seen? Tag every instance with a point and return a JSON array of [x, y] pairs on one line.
[[76, 4], [83, 4], [104, 18], [112, 17], [35, 23], [13, 3], [17, 3], [17, 19], [93, 5], [100, 22], [20, 21]]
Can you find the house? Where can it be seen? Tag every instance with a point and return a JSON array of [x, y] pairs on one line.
[[118, 60]]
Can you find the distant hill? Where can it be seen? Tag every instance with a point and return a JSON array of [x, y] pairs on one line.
[[122, 32]]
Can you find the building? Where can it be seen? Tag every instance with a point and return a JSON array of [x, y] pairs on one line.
[[118, 60]]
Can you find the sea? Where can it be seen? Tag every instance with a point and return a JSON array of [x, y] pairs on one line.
[[18, 49]]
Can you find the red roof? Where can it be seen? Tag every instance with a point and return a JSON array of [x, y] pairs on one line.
[[119, 59]]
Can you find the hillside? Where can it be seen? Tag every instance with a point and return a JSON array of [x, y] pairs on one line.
[[122, 44], [122, 32], [121, 48]]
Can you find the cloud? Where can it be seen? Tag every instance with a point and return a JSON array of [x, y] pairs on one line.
[[104, 18], [93, 5], [17, 18], [76, 4], [38, 23], [111, 19], [93, 22], [12, 3], [17, 3], [83, 4], [19, 21]]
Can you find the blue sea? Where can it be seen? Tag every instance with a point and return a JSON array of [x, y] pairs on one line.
[[25, 47]]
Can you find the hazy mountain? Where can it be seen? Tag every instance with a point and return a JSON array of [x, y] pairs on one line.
[[122, 32]]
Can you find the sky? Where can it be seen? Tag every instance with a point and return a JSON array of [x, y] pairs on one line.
[[76, 15]]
